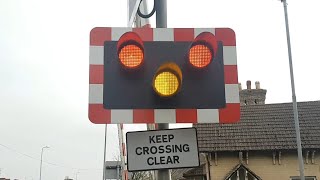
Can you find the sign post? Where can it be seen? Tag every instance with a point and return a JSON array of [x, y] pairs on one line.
[[162, 149], [161, 22]]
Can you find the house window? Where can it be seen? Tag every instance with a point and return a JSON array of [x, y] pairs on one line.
[[306, 178]]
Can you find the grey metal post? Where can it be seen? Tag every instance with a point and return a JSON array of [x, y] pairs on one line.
[[139, 23], [41, 160], [161, 16], [163, 174], [161, 22], [104, 153], [41, 163], [294, 100]]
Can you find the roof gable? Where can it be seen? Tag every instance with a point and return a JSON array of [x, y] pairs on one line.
[[239, 167]]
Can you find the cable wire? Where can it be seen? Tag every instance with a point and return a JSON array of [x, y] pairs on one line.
[[147, 15]]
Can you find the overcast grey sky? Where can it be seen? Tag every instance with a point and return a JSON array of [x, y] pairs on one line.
[[44, 63]]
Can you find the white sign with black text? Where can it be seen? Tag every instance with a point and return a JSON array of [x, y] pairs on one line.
[[162, 149]]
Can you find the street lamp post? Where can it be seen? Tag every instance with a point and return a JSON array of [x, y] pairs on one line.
[[41, 159], [294, 99]]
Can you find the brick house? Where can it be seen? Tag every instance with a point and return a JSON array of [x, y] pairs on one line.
[[262, 146]]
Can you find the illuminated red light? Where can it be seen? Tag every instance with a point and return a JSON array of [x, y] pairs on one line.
[[130, 50], [131, 56], [200, 55], [203, 50]]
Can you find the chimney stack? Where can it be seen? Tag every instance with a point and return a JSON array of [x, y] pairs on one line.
[[248, 84], [252, 96], [257, 85]]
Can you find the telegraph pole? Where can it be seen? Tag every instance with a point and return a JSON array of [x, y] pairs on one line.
[[294, 100]]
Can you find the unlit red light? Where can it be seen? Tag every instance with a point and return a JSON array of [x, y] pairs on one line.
[[131, 56], [200, 55]]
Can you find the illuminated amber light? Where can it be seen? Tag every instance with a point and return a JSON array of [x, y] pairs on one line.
[[166, 83], [167, 80], [131, 56], [200, 56]]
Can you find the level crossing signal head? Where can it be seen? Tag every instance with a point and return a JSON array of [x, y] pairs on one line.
[[163, 74], [150, 69]]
